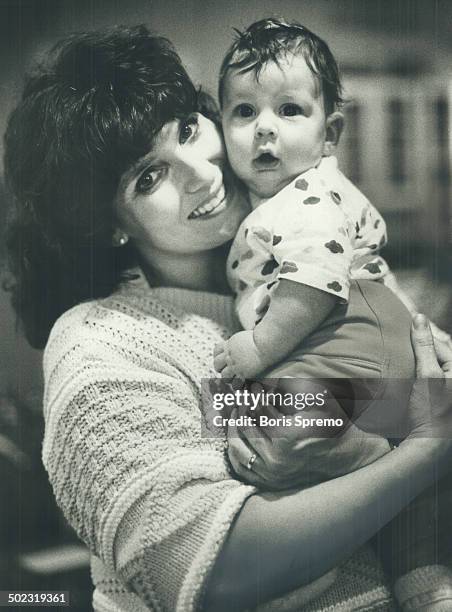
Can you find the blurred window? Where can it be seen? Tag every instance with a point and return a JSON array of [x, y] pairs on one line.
[[354, 145], [441, 113], [396, 143]]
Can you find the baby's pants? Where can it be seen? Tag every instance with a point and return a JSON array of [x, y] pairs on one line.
[[365, 351]]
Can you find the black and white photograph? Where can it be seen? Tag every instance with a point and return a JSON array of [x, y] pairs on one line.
[[226, 305]]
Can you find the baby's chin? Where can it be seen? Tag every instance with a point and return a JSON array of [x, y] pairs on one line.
[[257, 198], [266, 190], [264, 194]]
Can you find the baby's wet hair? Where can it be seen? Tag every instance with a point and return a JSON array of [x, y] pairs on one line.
[[270, 40]]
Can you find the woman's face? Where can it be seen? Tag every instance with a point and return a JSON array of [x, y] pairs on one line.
[[175, 199]]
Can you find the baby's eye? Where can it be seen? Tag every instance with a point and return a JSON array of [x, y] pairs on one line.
[[148, 180], [291, 110], [188, 128], [244, 110]]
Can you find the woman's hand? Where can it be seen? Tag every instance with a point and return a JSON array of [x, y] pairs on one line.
[[440, 337], [277, 454], [430, 404]]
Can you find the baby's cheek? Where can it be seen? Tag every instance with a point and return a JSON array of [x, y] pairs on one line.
[[235, 135], [239, 143]]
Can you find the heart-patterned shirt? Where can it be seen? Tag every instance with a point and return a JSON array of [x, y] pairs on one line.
[[320, 230]]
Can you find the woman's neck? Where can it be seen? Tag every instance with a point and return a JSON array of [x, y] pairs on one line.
[[198, 271]]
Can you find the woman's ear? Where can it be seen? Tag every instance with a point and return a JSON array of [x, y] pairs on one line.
[[334, 126]]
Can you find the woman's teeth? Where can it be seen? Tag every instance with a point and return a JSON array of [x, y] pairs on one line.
[[205, 209]]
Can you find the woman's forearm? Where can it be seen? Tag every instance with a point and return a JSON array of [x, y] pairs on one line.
[[281, 542]]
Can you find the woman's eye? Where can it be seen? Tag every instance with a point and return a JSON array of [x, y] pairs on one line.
[[188, 128], [291, 110], [244, 110], [148, 180]]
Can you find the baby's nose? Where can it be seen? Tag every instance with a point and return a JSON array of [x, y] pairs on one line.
[[266, 125]]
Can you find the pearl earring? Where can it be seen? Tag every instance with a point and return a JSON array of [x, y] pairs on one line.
[[120, 239]]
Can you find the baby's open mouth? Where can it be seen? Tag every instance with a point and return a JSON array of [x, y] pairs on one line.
[[265, 161]]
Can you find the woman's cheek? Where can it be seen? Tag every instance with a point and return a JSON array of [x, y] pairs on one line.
[[159, 209]]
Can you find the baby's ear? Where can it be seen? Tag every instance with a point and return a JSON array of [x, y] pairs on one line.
[[334, 126]]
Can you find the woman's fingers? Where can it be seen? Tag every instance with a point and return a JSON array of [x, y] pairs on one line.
[[424, 349], [444, 354], [249, 450], [427, 361], [240, 447], [430, 402], [440, 334]]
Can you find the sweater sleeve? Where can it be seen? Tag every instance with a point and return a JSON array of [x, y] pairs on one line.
[[123, 448]]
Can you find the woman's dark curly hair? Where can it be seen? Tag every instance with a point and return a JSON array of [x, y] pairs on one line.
[[85, 116]]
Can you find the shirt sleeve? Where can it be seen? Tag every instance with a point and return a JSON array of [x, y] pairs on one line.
[[123, 450], [311, 242], [370, 231]]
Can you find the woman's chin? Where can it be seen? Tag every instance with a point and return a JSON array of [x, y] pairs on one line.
[[223, 222]]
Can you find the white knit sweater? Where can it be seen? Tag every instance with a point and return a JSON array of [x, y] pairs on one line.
[[150, 497]]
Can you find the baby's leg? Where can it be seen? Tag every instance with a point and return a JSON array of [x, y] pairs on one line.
[[363, 349]]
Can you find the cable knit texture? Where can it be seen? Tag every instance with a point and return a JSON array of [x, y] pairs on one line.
[[150, 497], [426, 588]]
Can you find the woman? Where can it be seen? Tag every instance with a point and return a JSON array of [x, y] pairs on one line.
[[113, 167]]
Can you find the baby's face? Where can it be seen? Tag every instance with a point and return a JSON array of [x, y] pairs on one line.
[[274, 126]]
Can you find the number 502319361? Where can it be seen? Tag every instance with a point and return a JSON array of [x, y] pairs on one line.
[[34, 598]]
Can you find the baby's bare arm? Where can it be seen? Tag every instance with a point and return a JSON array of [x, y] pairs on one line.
[[295, 311]]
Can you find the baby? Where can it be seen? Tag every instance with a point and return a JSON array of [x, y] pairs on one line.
[[311, 231]]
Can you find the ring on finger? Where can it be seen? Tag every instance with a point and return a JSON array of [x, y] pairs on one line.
[[251, 460]]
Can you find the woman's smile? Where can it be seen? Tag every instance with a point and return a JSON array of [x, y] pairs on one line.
[[215, 204]]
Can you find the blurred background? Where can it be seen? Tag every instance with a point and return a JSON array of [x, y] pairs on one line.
[[396, 61]]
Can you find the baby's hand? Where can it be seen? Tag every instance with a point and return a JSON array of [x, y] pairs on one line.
[[238, 357]]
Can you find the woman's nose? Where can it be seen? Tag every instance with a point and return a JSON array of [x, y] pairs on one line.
[[266, 126], [199, 175]]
